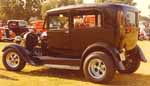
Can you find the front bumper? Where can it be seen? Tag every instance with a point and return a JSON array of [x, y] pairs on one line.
[[7, 39]]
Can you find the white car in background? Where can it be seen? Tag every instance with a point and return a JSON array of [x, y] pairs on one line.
[[144, 33]]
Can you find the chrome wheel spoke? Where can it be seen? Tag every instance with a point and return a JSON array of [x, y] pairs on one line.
[[12, 59], [102, 67], [96, 68]]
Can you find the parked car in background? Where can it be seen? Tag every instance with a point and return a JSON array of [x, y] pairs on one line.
[[6, 34], [1, 23], [37, 26], [98, 39], [144, 32], [17, 26]]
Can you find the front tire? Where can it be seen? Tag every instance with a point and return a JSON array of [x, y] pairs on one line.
[[12, 60], [98, 67]]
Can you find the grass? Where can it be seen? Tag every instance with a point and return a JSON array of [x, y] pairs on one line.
[[41, 76]]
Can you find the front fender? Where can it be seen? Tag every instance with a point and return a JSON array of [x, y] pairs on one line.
[[25, 54]]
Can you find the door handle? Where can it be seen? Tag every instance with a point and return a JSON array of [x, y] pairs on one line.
[[67, 31]]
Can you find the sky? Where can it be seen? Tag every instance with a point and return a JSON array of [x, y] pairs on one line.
[[88, 1], [142, 5]]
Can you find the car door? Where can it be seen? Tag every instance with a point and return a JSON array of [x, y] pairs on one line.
[[89, 28], [58, 33]]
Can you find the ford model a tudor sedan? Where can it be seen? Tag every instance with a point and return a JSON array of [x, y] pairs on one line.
[[98, 39]]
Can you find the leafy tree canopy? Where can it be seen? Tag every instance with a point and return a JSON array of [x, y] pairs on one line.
[[18, 9], [21, 9]]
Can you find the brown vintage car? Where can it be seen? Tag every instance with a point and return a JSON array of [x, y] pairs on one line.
[[97, 39]]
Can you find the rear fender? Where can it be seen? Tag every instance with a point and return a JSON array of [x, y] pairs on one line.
[[25, 54], [107, 49], [140, 54]]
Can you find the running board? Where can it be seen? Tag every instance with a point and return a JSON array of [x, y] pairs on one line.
[[62, 66], [59, 61]]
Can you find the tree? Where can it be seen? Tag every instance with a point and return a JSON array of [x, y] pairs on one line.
[[18, 9], [9, 9], [32, 9], [144, 18], [130, 2], [68, 2], [149, 9], [57, 3], [100, 1], [48, 5]]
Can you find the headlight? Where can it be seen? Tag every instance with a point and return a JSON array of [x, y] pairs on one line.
[[18, 38], [44, 34]]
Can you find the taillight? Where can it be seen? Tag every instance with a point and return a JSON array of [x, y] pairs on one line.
[[141, 33], [128, 28], [2, 31]]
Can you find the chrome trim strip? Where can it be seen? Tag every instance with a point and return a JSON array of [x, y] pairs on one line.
[[62, 66]]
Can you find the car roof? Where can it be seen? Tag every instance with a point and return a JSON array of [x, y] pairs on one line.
[[86, 6], [15, 21]]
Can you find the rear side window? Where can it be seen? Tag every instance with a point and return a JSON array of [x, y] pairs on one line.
[[131, 18], [86, 21]]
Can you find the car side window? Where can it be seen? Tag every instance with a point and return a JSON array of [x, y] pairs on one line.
[[84, 21], [58, 22], [131, 18], [87, 21]]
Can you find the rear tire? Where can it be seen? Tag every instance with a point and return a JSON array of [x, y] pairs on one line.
[[131, 64], [98, 67], [12, 60]]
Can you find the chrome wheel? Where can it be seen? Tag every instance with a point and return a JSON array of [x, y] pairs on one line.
[[97, 68], [13, 59]]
